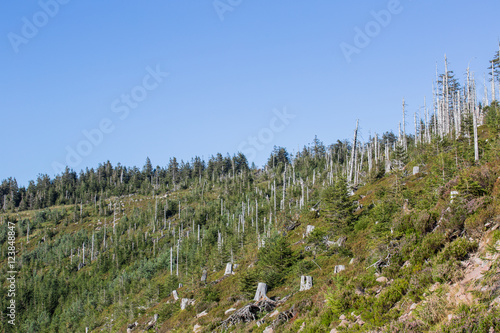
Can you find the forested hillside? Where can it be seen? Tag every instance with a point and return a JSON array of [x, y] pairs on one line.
[[399, 233]]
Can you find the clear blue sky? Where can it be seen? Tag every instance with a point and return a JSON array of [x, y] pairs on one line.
[[225, 76]]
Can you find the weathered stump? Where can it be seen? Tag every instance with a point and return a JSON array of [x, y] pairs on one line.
[[229, 269], [185, 302], [306, 282], [338, 269], [261, 292], [204, 276], [309, 229]]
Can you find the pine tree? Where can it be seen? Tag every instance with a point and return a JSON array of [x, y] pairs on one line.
[[337, 205], [275, 259], [400, 157]]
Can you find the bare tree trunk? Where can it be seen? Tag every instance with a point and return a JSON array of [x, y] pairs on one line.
[[353, 154], [416, 132], [476, 147], [177, 261], [446, 97], [493, 93], [485, 98], [404, 125]]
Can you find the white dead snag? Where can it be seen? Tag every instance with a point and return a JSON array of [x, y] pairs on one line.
[[306, 282], [493, 93], [476, 147], [400, 138], [387, 159], [499, 63], [353, 154], [446, 97], [274, 187], [404, 125], [369, 156], [175, 295], [171, 257], [261, 292], [485, 98], [416, 132], [284, 188], [257, 220], [104, 238], [177, 261]]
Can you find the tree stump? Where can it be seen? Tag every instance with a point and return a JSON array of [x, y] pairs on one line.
[[204, 276], [338, 269], [306, 282], [185, 302], [388, 166], [261, 292], [176, 296], [229, 269], [341, 241], [309, 229]]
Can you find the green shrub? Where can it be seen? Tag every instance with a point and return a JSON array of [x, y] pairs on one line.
[[167, 310], [447, 271], [459, 249], [432, 311], [317, 237], [210, 294], [420, 279], [431, 244], [391, 295], [304, 266], [341, 300], [248, 282]]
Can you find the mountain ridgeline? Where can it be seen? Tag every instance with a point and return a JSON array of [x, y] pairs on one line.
[[397, 234]]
